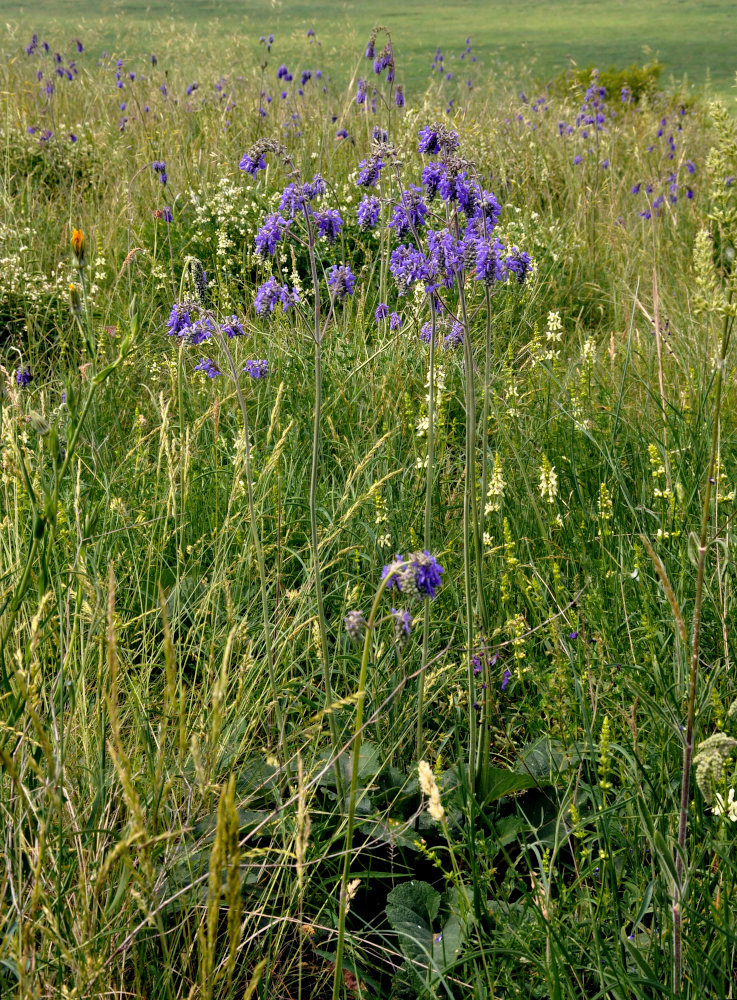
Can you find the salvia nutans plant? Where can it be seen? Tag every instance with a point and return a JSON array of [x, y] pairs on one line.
[[368, 480]]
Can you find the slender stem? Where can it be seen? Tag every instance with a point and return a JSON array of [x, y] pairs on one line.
[[428, 525], [314, 474], [484, 739], [255, 535], [355, 760], [694, 665]]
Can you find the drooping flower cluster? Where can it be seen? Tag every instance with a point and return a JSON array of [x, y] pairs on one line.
[[328, 223], [257, 369], [341, 281], [209, 368], [367, 213], [159, 167], [417, 576], [270, 234], [270, 293]]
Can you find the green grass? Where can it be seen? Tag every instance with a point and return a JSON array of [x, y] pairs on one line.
[[182, 796], [691, 39]]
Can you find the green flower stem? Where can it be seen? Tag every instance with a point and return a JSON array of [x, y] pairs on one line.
[[314, 474], [355, 760], [255, 536], [428, 528]]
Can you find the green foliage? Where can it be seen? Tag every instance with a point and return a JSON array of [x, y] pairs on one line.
[[171, 819], [640, 82]]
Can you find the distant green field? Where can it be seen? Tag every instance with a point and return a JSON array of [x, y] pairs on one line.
[[692, 39]]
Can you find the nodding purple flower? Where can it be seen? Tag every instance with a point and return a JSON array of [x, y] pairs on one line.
[[689, 193], [328, 223], [191, 88], [306, 75], [506, 677], [257, 369], [282, 72], [72, 137], [159, 167], [408, 266], [370, 49], [395, 321], [410, 212], [417, 576], [576, 160], [436, 138], [30, 49], [355, 625], [208, 367], [310, 32], [636, 188], [519, 263], [361, 92], [432, 177], [180, 317], [163, 213], [232, 327], [426, 333], [197, 331], [454, 338], [23, 376], [341, 280], [270, 234], [477, 668], [342, 133], [296, 198], [367, 213], [485, 211], [402, 625], [252, 166], [368, 171], [399, 96], [691, 166], [604, 164], [447, 254], [573, 635], [382, 311], [272, 292], [164, 91]]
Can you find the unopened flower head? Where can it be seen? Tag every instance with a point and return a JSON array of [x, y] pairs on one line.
[[355, 625], [78, 247]]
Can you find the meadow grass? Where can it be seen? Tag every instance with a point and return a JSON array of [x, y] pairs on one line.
[[693, 40], [215, 707]]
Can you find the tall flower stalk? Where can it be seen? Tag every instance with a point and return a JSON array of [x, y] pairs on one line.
[[417, 577]]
